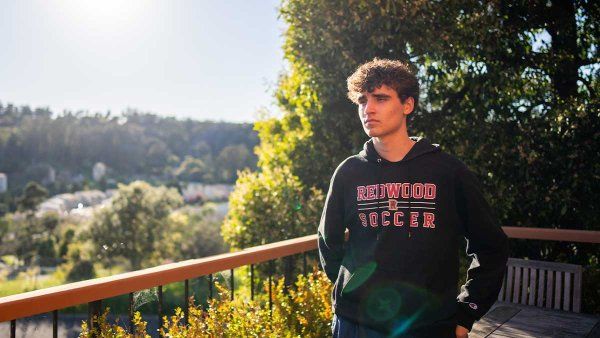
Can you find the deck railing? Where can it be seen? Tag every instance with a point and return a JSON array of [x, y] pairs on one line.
[[93, 291]]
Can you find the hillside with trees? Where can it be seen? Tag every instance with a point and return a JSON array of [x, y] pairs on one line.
[[59, 151]]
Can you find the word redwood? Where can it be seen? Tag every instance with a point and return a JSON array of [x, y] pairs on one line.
[[396, 190]]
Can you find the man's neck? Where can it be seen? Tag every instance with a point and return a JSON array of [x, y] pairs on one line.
[[393, 147]]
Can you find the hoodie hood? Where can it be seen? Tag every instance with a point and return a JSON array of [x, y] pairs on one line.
[[422, 147]]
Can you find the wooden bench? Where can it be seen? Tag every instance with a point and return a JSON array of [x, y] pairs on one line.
[[542, 284]]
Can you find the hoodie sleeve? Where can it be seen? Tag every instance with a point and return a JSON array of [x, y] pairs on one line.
[[332, 228], [487, 245]]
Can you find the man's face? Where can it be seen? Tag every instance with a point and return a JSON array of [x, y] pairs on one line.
[[381, 111]]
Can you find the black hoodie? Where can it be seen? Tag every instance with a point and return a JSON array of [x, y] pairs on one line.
[[398, 271]]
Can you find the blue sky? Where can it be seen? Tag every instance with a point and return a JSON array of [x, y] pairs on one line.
[[215, 60]]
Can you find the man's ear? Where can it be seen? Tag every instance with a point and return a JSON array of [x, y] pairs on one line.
[[408, 105]]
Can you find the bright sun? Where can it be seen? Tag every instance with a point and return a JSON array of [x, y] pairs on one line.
[[101, 16]]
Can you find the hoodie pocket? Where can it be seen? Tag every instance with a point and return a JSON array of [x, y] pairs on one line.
[[385, 296]]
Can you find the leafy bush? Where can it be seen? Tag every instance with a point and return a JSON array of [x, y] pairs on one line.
[[103, 329], [303, 310], [270, 206], [81, 270], [132, 227]]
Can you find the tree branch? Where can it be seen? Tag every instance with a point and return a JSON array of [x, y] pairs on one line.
[[588, 86], [589, 61]]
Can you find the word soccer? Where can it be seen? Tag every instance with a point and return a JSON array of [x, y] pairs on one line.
[[413, 197]]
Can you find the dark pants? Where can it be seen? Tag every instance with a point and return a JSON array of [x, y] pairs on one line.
[[343, 328]]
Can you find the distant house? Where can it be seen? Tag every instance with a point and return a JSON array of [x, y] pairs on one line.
[[81, 203], [98, 171], [3, 182], [207, 192]]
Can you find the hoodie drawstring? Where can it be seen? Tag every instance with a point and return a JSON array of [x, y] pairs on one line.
[[410, 180], [379, 179]]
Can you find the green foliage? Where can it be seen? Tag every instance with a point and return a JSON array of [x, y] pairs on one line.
[[103, 329], [5, 228], [77, 249], [29, 281], [193, 169], [65, 239], [33, 194], [32, 239], [233, 158], [516, 99], [193, 233], [303, 310], [134, 225], [7, 202], [142, 227], [46, 252], [81, 270], [479, 84], [270, 206], [136, 144], [590, 291]]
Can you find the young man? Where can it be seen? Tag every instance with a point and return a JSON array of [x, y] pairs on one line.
[[407, 206]]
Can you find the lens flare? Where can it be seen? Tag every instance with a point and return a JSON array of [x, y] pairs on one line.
[[403, 325], [360, 276], [383, 304]]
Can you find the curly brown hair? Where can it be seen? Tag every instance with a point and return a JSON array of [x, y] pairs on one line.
[[393, 73]]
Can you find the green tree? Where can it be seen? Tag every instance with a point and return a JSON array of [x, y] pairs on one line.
[[515, 98], [81, 270], [270, 206], [510, 87], [5, 228], [195, 233], [231, 159], [67, 238], [32, 239], [471, 77], [33, 194], [193, 169], [135, 226]]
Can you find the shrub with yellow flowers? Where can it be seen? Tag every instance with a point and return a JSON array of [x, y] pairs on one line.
[[302, 310]]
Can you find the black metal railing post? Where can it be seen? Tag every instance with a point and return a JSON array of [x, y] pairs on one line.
[[304, 268], [210, 286], [55, 324], [186, 310], [130, 309], [160, 307], [251, 281], [94, 311], [198, 294], [271, 268], [232, 285]]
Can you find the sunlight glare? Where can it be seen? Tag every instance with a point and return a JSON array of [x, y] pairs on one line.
[[101, 16]]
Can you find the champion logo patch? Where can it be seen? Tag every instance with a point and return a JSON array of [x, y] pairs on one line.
[[473, 306]]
